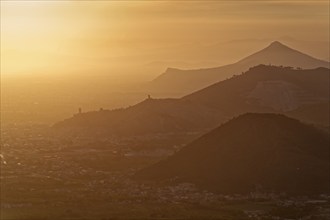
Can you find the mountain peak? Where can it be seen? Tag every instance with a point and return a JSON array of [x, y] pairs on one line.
[[277, 45]]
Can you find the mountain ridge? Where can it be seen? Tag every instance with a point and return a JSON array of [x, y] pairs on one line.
[[187, 81], [298, 93]]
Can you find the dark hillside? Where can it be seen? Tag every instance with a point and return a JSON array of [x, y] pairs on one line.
[[268, 152]]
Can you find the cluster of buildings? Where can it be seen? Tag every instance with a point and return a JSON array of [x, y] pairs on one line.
[[39, 168]]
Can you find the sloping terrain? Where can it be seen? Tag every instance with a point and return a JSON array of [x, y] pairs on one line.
[[187, 81], [266, 88], [151, 116], [253, 152], [303, 94]]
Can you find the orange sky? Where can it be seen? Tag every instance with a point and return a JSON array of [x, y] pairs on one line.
[[127, 38]]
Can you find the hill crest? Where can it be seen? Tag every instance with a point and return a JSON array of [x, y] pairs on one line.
[[266, 151]]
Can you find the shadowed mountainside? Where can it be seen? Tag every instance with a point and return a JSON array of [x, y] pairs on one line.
[[187, 81], [150, 116], [266, 88], [302, 94], [266, 152]]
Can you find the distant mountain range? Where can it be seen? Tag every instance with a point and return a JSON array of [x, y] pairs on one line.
[[302, 94], [187, 81], [253, 152]]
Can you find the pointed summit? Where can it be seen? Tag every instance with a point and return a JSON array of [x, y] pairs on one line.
[[279, 54], [276, 54], [277, 44]]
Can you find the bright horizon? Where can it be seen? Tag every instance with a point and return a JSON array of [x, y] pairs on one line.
[[139, 39], [155, 109]]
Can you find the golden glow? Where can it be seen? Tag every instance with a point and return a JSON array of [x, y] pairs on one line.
[[105, 36], [32, 33]]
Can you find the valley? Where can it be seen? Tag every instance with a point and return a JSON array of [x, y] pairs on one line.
[[43, 177]]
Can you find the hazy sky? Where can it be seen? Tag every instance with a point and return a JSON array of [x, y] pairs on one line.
[[122, 37]]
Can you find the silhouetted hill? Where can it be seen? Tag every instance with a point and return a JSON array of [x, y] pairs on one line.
[[314, 113], [187, 81], [279, 54], [303, 94], [151, 116], [267, 152], [266, 89]]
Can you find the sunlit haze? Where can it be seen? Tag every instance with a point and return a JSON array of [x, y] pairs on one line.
[[140, 39], [180, 109]]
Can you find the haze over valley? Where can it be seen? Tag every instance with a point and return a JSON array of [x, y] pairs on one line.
[[165, 110]]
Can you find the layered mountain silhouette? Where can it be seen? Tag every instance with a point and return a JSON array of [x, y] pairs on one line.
[[302, 94], [267, 152], [187, 81], [266, 88], [150, 116]]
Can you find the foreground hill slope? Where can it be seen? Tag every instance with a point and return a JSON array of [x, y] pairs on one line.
[[267, 152], [302, 94], [187, 81]]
